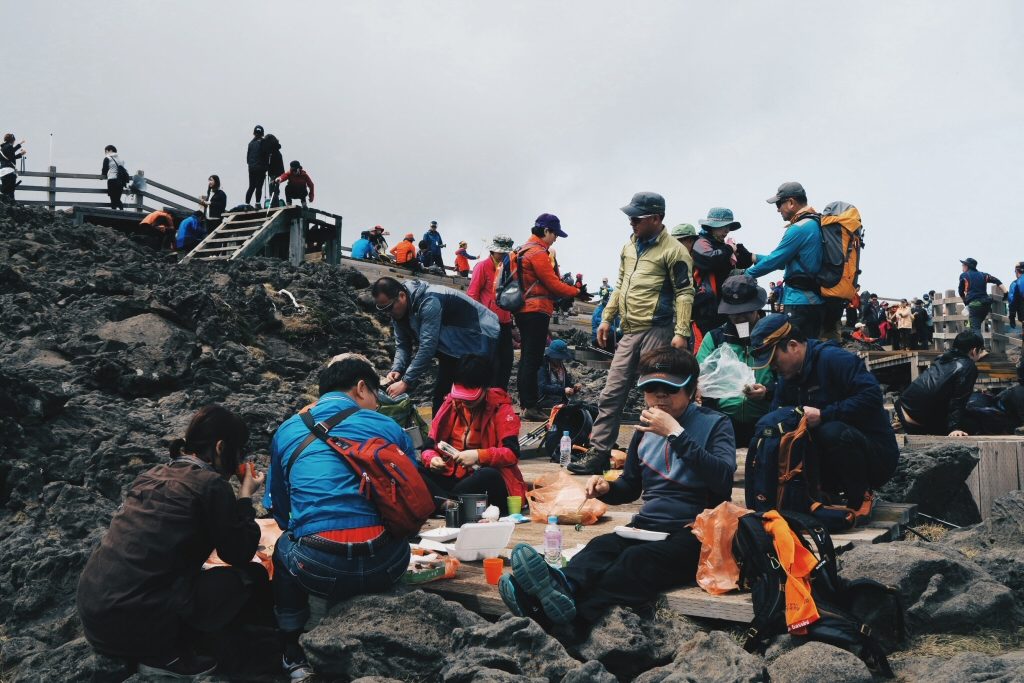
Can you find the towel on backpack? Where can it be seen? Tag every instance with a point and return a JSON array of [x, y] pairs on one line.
[[798, 563]]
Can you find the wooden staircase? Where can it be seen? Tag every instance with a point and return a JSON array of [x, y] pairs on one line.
[[244, 234]]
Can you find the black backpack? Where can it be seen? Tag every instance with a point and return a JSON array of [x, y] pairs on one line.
[[509, 293], [575, 418], [843, 606], [123, 176]]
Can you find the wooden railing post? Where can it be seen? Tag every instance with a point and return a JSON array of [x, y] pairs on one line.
[[334, 248], [997, 341], [52, 192], [297, 240], [138, 189]]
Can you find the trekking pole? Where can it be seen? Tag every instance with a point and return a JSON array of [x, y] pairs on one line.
[[940, 521]]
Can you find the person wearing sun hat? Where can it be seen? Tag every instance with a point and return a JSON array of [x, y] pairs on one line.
[[481, 288], [842, 401], [554, 379], [686, 234], [480, 422], [714, 258]]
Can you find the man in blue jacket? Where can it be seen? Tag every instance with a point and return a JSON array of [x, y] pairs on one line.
[[334, 545], [843, 405], [799, 253], [190, 233], [363, 248], [973, 289], [445, 323], [436, 243]]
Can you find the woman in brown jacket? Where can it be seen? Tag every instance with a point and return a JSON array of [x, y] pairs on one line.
[[144, 586]]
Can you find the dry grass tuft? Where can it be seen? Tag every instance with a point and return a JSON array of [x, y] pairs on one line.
[[985, 641], [933, 532]]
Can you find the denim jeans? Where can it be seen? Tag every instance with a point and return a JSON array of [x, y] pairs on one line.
[[300, 571]]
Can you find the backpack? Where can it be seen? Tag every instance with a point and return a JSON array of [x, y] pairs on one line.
[[123, 176], [843, 606], [842, 238], [782, 471], [387, 477], [509, 292], [575, 418]]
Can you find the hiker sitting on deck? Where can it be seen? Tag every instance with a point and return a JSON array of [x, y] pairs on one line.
[[190, 233], [553, 379], [143, 593], [481, 423], [843, 405], [936, 402], [681, 461], [334, 545]]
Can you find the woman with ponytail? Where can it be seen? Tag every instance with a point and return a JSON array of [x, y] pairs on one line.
[[143, 589]]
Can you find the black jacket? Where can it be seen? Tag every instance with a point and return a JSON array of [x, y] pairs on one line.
[[937, 399], [137, 584], [275, 162], [256, 156], [9, 155], [712, 258], [218, 204]]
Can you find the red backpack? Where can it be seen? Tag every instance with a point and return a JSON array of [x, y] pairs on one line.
[[387, 477]]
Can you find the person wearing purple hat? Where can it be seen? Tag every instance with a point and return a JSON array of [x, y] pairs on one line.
[[541, 287]]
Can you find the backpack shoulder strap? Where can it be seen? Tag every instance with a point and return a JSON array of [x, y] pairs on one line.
[[318, 430], [801, 523]]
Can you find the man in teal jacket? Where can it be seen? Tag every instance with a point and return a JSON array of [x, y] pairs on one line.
[[799, 253]]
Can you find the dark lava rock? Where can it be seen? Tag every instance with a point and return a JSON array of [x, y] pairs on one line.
[[591, 672], [628, 645], [72, 662], [943, 591], [394, 636], [480, 665], [969, 666], [933, 477], [814, 662], [709, 658]]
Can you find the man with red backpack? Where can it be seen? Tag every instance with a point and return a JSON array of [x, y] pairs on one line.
[[335, 543]]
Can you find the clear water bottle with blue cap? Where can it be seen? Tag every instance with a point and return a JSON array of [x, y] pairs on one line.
[[553, 542], [564, 450]]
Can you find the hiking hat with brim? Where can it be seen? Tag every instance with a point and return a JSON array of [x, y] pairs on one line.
[[462, 393], [766, 335], [501, 244], [676, 381], [559, 350], [740, 294], [645, 204], [683, 231], [720, 217]]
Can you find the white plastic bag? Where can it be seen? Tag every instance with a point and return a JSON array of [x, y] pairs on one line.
[[723, 374]]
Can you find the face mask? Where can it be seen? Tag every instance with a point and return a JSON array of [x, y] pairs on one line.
[[742, 330]]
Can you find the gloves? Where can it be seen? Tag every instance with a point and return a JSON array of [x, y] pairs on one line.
[[744, 259]]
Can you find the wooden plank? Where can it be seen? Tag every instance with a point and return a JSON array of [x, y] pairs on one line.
[[167, 201], [60, 202], [54, 174], [998, 473], [68, 190], [165, 188]]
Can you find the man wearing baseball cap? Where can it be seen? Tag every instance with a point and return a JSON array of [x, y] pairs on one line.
[[799, 254], [433, 237], [973, 289], [653, 298], [742, 304], [541, 287], [842, 401]]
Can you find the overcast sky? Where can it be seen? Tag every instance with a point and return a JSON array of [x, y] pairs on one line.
[[482, 115]]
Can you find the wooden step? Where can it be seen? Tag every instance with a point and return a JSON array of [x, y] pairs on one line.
[[236, 240], [250, 230], [207, 250]]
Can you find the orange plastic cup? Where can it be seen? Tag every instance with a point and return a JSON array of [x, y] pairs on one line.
[[493, 567]]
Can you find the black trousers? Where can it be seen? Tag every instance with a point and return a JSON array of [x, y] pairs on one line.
[[533, 338], [114, 190], [831, 318], [256, 176], [851, 463], [274, 188], [504, 357], [445, 376], [808, 318], [7, 185], [613, 570], [486, 480]]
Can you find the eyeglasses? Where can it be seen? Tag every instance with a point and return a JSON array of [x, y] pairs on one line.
[[385, 308], [633, 220], [661, 388]]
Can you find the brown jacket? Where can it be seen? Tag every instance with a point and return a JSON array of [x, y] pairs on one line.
[[137, 585]]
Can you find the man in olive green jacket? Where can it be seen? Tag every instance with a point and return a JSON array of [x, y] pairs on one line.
[[652, 298]]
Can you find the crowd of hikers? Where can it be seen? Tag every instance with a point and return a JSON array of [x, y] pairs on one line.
[[682, 300]]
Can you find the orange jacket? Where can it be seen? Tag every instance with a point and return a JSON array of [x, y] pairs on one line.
[[541, 284], [404, 252]]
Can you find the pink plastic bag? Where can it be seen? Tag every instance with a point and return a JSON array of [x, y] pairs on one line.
[[717, 571]]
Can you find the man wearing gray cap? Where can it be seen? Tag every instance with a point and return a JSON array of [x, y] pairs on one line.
[[653, 297], [799, 254]]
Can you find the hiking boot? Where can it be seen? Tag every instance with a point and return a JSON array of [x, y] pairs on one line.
[[520, 603], [534, 415], [591, 462], [543, 582], [863, 514], [298, 669], [187, 667]]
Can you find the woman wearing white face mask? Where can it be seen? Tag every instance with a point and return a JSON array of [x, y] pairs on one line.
[[742, 303]]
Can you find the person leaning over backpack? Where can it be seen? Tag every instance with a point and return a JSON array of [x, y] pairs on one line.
[[653, 296], [480, 422], [143, 594], [936, 402], [554, 380], [481, 289], [799, 253], [973, 289], [117, 176], [680, 461], [256, 159], [9, 155], [742, 302], [843, 405], [335, 545], [541, 287], [444, 323]]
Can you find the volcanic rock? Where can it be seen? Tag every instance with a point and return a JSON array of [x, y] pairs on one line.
[[710, 658], [968, 666], [933, 477], [814, 662], [628, 645]]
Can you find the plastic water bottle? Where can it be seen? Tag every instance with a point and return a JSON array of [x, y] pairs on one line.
[[564, 450], [553, 542]]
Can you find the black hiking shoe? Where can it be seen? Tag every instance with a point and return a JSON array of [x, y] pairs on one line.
[[534, 415], [184, 668], [591, 462]]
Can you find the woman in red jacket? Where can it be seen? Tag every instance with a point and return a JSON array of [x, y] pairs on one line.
[[481, 424], [481, 288]]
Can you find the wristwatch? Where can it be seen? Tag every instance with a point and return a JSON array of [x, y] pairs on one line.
[[671, 438]]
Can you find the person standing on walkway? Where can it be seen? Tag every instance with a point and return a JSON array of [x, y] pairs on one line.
[[799, 253], [436, 243], [654, 297], [256, 158], [973, 289], [904, 324], [541, 287], [9, 155], [115, 184], [1016, 310], [481, 289], [275, 166], [214, 203]]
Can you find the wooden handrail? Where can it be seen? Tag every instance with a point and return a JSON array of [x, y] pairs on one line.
[[72, 176], [44, 188], [165, 201], [161, 186]]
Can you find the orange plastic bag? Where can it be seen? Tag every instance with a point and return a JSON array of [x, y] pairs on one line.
[[557, 494], [717, 571]]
